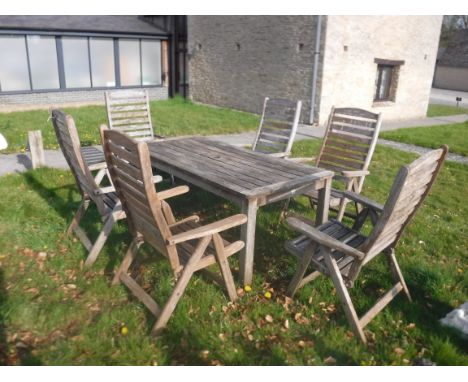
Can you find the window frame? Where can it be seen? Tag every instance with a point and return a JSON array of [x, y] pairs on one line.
[[60, 61], [394, 66]]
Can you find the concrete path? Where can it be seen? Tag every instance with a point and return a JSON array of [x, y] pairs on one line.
[[11, 163], [447, 97]]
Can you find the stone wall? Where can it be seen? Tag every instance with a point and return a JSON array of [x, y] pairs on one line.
[[237, 61], [349, 74], [14, 102]]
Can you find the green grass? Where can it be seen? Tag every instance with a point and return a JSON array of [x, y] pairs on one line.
[[171, 117], [454, 135], [54, 313], [435, 110]]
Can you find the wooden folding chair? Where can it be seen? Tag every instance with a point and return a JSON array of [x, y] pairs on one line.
[[188, 245], [347, 149], [340, 252], [278, 127], [105, 199], [128, 111]]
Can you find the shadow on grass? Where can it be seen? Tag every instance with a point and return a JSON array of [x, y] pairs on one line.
[[91, 221], [22, 354]]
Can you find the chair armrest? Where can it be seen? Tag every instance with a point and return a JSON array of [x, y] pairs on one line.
[[324, 239], [354, 174], [193, 218], [209, 229], [363, 200], [97, 166], [303, 160], [179, 190], [156, 178], [279, 155], [300, 217], [104, 190]]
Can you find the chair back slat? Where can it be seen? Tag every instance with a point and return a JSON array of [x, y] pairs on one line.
[[350, 140], [278, 126], [409, 190], [69, 141], [128, 111], [130, 170]]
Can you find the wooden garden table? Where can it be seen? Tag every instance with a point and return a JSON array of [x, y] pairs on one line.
[[246, 178]]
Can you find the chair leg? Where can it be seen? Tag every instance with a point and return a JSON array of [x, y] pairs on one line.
[[181, 285], [300, 272], [344, 296], [127, 260], [100, 175], [78, 215], [100, 241], [396, 272], [284, 211], [224, 267], [342, 209]]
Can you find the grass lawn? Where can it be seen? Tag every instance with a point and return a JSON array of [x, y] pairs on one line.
[[435, 110], [54, 313], [455, 136], [171, 117]]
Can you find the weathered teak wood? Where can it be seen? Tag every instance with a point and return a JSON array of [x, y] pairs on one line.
[[106, 200], [278, 127], [347, 149], [247, 178], [128, 111], [340, 252], [36, 148], [188, 245]]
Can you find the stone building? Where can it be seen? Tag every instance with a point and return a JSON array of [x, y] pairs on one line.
[[452, 67], [380, 63]]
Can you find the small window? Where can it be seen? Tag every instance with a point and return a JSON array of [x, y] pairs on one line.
[[102, 62], [151, 62], [76, 62], [14, 73], [387, 79], [43, 62], [130, 62]]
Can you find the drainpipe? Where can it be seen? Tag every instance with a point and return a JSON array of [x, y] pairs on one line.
[[315, 72]]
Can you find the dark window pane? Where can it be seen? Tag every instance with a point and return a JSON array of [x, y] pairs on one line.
[[384, 82], [151, 62], [76, 62], [129, 52], [14, 74], [102, 62], [43, 61]]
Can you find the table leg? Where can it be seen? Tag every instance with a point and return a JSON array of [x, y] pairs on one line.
[[249, 208], [323, 202]]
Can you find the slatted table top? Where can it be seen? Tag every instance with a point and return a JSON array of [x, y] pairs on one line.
[[233, 170]]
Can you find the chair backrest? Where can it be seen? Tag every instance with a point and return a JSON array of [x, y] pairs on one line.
[[278, 126], [409, 190], [69, 141], [129, 166], [129, 111], [350, 140]]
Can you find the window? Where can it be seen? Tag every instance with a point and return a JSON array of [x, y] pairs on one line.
[[151, 62], [76, 62], [43, 62], [40, 62], [14, 73], [102, 62], [387, 79], [130, 62]]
